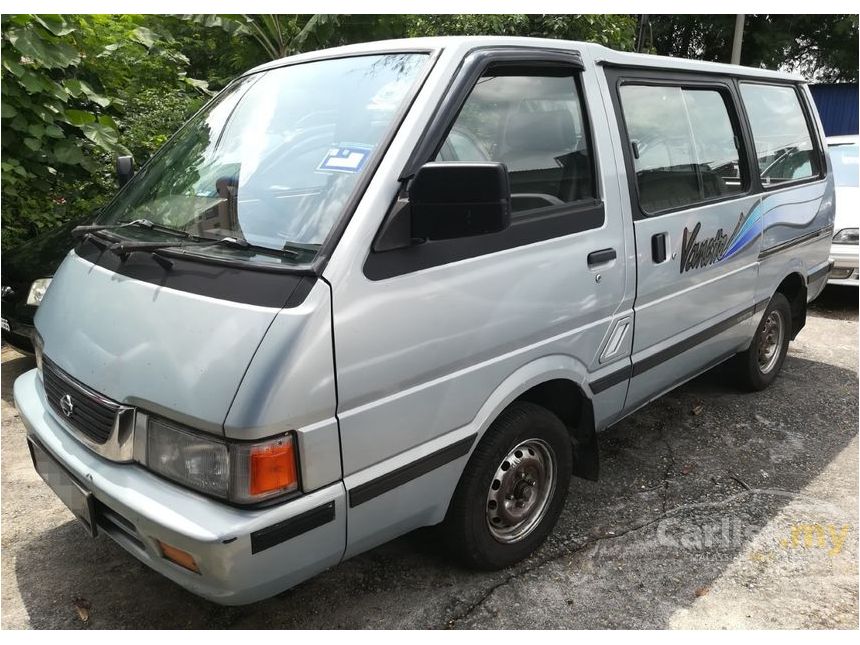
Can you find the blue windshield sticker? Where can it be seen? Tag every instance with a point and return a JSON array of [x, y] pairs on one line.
[[346, 158]]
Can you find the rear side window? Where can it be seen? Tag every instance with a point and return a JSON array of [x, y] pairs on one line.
[[783, 142], [684, 143], [534, 124]]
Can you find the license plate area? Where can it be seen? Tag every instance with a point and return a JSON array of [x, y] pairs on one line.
[[77, 499]]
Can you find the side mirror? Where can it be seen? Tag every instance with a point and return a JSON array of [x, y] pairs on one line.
[[451, 200], [124, 169]]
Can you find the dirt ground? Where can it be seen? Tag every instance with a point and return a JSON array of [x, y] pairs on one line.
[[714, 509]]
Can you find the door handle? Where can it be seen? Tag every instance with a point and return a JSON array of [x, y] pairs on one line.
[[658, 248], [601, 257]]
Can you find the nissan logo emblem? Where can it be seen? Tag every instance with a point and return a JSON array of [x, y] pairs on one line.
[[66, 405]]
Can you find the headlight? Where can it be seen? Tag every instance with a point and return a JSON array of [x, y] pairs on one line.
[[846, 236], [37, 291], [242, 473]]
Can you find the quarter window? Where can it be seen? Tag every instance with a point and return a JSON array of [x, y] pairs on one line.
[[685, 146], [783, 141], [533, 124]]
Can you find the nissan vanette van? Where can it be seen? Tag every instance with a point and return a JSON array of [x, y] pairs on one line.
[[399, 284]]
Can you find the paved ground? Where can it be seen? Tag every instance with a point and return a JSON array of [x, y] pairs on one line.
[[715, 509]]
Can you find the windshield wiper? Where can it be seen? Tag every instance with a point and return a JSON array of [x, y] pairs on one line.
[[80, 231], [123, 249]]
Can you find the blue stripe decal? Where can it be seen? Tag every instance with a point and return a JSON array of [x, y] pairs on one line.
[[746, 233]]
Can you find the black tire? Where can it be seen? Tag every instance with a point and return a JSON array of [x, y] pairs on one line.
[[467, 525], [752, 375]]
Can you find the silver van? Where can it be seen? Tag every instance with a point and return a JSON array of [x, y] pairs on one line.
[[405, 283]]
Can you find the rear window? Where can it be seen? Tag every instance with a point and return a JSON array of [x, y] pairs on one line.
[[685, 147], [783, 142]]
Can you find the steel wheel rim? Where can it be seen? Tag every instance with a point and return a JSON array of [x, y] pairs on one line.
[[520, 490], [770, 341]]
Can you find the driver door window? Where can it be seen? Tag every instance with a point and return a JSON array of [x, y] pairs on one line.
[[534, 124]]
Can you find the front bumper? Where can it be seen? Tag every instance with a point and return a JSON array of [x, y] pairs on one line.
[[845, 258], [243, 555]]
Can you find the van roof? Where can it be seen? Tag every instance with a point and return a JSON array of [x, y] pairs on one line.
[[598, 53]]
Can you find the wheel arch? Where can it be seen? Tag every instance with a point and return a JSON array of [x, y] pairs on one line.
[[793, 287], [557, 383]]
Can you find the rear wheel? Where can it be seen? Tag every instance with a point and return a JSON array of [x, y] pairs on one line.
[[759, 365], [513, 488]]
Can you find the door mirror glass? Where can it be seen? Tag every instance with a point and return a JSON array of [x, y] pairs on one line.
[[451, 200]]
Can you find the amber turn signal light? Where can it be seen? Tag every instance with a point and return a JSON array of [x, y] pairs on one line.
[[178, 556], [272, 468]]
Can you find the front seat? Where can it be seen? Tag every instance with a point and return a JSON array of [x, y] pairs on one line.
[[539, 152]]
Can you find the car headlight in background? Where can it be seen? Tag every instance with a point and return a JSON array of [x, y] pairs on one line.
[[37, 291], [846, 236], [239, 472]]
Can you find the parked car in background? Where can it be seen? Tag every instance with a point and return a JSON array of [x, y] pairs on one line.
[[26, 274], [845, 158]]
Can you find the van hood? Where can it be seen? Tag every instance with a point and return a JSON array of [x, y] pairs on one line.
[[847, 208], [171, 351]]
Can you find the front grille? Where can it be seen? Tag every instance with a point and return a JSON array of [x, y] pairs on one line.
[[90, 413]]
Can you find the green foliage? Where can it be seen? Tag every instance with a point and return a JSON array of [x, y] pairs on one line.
[[156, 116], [280, 35], [67, 83], [613, 30], [821, 47], [51, 123]]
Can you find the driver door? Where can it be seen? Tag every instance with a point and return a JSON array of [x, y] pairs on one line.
[[426, 335]]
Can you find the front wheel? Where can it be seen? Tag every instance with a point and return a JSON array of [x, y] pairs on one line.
[[759, 365], [513, 488]]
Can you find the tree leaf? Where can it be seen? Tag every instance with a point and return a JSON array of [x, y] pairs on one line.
[[55, 23], [31, 81], [203, 86], [81, 88], [54, 54], [7, 111], [74, 87], [98, 99], [79, 118], [105, 137], [14, 66], [106, 120], [68, 153], [19, 123], [33, 144], [144, 36]]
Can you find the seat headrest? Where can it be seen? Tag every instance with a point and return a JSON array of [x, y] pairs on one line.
[[534, 131]]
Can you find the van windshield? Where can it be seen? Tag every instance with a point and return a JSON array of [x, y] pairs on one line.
[[273, 159]]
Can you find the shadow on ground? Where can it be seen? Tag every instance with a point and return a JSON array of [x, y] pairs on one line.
[[836, 302]]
